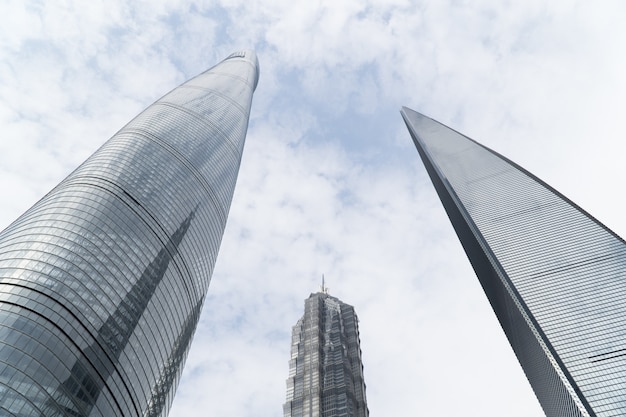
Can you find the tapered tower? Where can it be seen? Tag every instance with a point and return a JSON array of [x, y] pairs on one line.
[[102, 281], [326, 369], [554, 275]]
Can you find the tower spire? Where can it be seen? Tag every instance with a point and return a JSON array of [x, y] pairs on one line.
[[323, 288]]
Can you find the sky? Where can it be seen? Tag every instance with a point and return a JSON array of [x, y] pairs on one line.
[[330, 182]]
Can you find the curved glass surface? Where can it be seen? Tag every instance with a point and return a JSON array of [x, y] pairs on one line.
[[103, 280]]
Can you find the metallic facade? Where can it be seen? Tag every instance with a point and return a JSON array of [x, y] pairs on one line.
[[554, 275], [326, 369], [102, 281]]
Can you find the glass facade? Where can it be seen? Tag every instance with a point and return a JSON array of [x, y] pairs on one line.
[[102, 281], [326, 369], [554, 275]]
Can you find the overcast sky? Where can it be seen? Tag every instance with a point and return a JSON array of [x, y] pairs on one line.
[[330, 181]]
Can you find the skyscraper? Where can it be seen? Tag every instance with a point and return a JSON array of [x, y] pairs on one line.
[[554, 275], [102, 281], [325, 369]]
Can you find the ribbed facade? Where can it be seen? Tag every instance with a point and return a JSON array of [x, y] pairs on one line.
[[554, 275], [326, 369], [102, 281]]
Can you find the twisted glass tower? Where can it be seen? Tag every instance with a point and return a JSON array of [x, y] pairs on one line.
[[102, 281], [325, 369], [554, 275]]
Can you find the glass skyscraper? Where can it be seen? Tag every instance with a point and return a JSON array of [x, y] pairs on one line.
[[326, 369], [102, 281], [554, 275]]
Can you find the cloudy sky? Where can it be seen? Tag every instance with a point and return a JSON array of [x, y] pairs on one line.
[[330, 181]]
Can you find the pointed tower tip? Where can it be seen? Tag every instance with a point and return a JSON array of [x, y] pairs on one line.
[[405, 112], [323, 287], [250, 56]]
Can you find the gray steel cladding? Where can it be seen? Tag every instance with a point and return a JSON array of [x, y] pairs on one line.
[[554, 275], [326, 368], [102, 281]]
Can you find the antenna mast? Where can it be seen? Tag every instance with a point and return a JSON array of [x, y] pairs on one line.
[[324, 288]]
